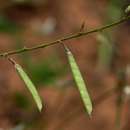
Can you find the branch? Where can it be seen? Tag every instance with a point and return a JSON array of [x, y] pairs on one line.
[[66, 38]]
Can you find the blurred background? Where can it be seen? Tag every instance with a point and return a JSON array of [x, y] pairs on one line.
[[103, 58]]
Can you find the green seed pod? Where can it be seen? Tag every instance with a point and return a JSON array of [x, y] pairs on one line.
[[80, 82], [29, 85]]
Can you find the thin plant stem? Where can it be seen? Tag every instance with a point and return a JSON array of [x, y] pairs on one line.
[[65, 38]]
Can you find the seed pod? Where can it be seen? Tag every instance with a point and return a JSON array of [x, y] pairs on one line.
[[29, 85], [80, 82], [105, 51]]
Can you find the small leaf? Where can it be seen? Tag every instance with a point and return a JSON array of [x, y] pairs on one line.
[[80, 82], [29, 85]]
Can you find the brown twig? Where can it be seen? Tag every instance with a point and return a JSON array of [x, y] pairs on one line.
[[65, 38]]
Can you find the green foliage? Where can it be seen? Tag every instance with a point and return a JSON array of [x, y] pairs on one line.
[[21, 100], [44, 73], [114, 10], [29, 85], [80, 82], [7, 26]]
